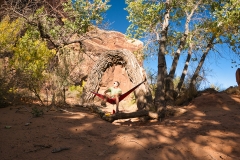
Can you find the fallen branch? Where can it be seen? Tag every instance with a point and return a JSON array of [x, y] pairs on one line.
[[141, 113], [112, 117]]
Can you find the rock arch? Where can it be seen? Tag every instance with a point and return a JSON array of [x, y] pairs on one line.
[[134, 71]]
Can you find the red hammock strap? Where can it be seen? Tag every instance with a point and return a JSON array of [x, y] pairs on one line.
[[128, 92]]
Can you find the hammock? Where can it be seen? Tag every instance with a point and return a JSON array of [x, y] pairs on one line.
[[121, 97]]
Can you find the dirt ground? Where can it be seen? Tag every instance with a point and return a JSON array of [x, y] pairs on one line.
[[209, 130]]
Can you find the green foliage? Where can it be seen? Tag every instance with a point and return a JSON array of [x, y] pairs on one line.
[[153, 89], [176, 80], [78, 88], [133, 99], [143, 16], [31, 54], [222, 19], [152, 78], [30, 58], [9, 33], [79, 16], [37, 112], [85, 13], [211, 19], [227, 23], [227, 16], [62, 75], [139, 55], [223, 22]]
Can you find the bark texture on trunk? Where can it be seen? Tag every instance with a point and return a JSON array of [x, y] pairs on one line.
[[185, 69], [170, 93], [182, 40], [162, 71]]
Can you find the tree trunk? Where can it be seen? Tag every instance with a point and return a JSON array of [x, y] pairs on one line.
[[34, 90], [177, 54], [160, 90], [196, 73], [185, 69], [182, 41]]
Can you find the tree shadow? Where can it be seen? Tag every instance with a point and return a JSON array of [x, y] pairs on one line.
[[209, 130]]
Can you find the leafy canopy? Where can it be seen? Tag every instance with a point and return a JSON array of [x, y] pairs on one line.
[[144, 17]]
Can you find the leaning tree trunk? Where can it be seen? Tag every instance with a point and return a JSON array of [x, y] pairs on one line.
[[196, 73], [169, 81], [182, 41], [185, 69], [134, 71]]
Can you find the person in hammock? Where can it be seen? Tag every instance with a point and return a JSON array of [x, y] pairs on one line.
[[115, 92]]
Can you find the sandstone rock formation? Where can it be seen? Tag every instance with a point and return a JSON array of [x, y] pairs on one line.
[[94, 47]]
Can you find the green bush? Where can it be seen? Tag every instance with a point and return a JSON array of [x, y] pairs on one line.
[[37, 112]]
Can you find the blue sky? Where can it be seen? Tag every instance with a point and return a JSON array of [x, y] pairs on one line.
[[221, 73]]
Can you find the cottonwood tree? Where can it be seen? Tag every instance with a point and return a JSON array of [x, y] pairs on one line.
[[154, 17], [177, 27], [216, 31]]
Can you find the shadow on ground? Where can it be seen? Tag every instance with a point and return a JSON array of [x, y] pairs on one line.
[[208, 130]]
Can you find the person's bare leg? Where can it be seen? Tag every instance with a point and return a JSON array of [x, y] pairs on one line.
[[117, 103]]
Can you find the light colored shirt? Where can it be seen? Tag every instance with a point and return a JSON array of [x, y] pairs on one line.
[[115, 91]]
